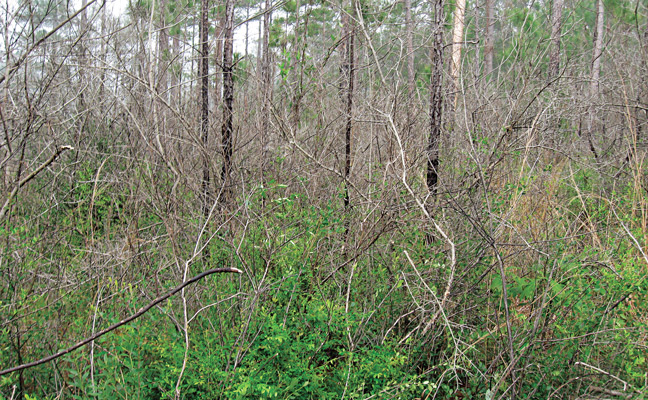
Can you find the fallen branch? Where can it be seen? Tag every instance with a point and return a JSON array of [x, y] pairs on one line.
[[111, 328]]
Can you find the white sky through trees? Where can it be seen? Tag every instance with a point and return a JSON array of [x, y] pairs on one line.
[[118, 9]]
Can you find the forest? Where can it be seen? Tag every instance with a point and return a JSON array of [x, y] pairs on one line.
[[323, 199]]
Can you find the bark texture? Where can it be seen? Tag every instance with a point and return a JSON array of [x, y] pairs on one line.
[[228, 99], [436, 99], [204, 97], [556, 31]]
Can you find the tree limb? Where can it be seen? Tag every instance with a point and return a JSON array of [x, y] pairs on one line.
[[23, 57], [29, 177], [111, 328]]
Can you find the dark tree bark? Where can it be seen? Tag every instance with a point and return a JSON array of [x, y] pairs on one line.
[[436, 100], [349, 69], [228, 100], [204, 95]]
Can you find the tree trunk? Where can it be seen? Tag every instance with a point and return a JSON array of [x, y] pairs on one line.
[[436, 100], [228, 99], [218, 58], [163, 50], [457, 41], [598, 49], [102, 74], [488, 48], [297, 65], [348, 68], [204, 94], [596, 72], [641, 114], [266, 82], [176, 75], [410, 63], [556, 28]]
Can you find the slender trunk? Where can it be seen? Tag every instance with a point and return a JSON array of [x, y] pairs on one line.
[[457, 41], [228, 99], [218, 58], [247, 28], [642, 96], [102, 75], [81, 117], [436, 100], [410, 63], [204, 94], [344, 44], [596, 72], [349, 115], [259, 53], [488, 48], [556, 28], [163, 49], [266, 82], [175, 83], [297, 56], [598, 49], [347, 66]]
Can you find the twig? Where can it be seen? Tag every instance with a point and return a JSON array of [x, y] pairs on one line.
[[625, 384], [29, 177], [23, 57], [111, 328], [610, 392]]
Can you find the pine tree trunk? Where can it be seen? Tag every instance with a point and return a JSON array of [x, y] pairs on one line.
[[204, 95], [228, 100], [436, 100], [347, 69]]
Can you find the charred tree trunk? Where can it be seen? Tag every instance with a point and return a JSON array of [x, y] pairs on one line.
[[228, 100], [436, 100], [349, 69]]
